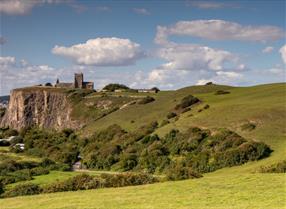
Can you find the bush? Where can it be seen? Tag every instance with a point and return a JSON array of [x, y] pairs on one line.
[[206, 106], [39, 171], [180, 172], [164, 122], [186, 102], [84, 182], [171, 115], [23, 189], [115, 86], [279, 167], [146, 100], [221, 92], [127, 179], [248, 126], [1, 188], [186, 110]]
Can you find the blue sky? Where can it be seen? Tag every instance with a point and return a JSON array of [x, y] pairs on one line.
[[228, 42]]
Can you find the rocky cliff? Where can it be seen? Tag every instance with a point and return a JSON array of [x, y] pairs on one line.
[[43, 107]]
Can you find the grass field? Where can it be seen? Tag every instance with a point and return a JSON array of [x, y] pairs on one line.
[[237, 187]]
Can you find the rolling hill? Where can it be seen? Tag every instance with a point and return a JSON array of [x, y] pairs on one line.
[[263, 106]]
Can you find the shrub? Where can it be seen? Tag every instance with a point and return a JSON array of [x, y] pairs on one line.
[[171, 115], [39, 171], [180, 172], [1, 188], [186, 110], [221, 92], [115, 86], [206, 106], [279, 167], [248, 126], [164, 122], [23, 189], [146, 100], [186, 102], [127, 179]]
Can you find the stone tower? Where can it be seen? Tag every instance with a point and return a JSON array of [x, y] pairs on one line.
[[78, 80]]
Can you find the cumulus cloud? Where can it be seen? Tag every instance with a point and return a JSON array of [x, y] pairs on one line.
[[195, 57], [219, 30], [23, 73], [283, 53], [22, 7], [141, 11], [221, 77], [6, 61], [267, 49], [16, 7], [102, 52]]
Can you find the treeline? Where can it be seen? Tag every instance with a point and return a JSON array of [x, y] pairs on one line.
[[184, 153], [82, 182]]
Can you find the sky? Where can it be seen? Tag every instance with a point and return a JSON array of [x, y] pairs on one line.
[[142, 44]]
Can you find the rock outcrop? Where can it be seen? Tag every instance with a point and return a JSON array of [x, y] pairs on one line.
[[38, 106]]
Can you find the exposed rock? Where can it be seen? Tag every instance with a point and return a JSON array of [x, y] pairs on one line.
[[38, 106]]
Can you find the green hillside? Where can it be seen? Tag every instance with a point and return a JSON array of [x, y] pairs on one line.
[[257, 113]]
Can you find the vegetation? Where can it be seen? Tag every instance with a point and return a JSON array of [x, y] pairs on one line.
[[248, 126], [115, 86], [187, 102], [221, 92], [235, 187], [82, 182], [279, 167], [146, 100]]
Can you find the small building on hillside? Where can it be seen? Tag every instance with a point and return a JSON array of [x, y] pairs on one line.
[[78, 83], [148, 90]]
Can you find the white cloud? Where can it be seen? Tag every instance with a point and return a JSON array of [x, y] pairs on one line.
[[141, 11], [221, 77], [267, 49], [195, 57], [283, 53], [210, 5], [219, 30], [102, 52], [4, 61], [17, 7], [16, 74], [22, 7], [203, 81]]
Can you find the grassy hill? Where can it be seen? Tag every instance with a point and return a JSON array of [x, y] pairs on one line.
[[263, 106]]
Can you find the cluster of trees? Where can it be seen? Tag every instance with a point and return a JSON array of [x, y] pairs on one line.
[[190, 153], [12, 171], [82, 182], [115, 86], [180, 154]]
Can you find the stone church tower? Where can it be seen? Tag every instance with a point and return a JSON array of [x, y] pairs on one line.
[[78, 80]]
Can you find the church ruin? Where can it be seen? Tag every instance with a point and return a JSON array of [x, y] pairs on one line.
[[78, 83]]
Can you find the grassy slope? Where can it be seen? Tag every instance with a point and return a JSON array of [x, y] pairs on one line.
[[236, 187]]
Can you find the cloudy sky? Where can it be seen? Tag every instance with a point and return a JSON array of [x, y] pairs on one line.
[[168, 44]]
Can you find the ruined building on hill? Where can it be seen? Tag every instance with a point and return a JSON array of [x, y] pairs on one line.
[[78, 83]]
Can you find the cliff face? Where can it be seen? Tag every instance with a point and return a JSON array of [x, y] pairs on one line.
[[41, 107]]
